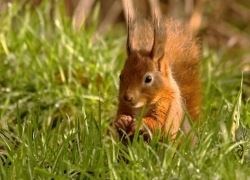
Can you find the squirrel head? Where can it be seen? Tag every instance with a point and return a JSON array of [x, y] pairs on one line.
[[144, 75]]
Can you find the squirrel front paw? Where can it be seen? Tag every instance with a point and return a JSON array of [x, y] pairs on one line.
[[145, 132], [125, 125]]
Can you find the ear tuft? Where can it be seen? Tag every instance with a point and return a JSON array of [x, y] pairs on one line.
[[131, 26], [158, 49]]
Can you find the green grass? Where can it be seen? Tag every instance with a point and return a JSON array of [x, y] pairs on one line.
[[58, 94]]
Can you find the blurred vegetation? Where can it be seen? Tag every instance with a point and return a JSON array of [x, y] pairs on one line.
[[58, 95]]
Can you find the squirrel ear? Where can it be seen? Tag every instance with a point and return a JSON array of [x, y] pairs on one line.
[[158, 49], [130, 19], [130, 37]]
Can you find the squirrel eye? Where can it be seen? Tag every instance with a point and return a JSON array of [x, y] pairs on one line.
[[148, 79]]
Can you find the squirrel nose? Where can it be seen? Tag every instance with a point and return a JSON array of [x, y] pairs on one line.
[[128, 97]]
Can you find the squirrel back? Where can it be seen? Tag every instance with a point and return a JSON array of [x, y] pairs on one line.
[[183, 55]]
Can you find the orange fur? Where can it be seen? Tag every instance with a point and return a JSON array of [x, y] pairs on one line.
[[175, 80]]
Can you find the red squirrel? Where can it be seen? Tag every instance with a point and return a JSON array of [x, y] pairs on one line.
[[160, 76]]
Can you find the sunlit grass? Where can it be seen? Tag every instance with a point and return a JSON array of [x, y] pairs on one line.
[[58, 95]]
